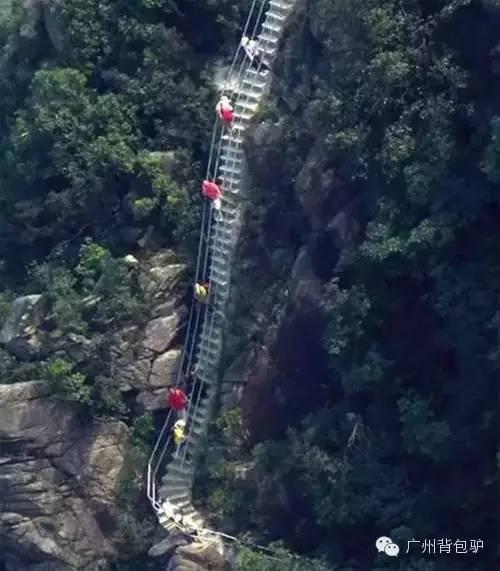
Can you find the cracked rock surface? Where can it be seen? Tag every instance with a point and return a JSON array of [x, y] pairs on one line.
[[57, 480]]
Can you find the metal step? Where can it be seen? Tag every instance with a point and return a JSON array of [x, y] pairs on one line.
[[249, 93], [232, 154], [227, 169], [246, 115], [203, 376], [220, 264], [206, 360], [193, 522], [232, 185], [176, 497], [278, 17], [176, 479], [179, 506], [269, 38], [166, 522], [208, 352], [218, 276], [213, 342], [272, 27], [175, 468], [250, 106], [254, 80], [225, 230], [237, 139], [222, 241], [233, 162], [281, 5], [168, 491]]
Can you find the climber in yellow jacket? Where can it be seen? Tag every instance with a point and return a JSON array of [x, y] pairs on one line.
[[201, 291], [179, 432]]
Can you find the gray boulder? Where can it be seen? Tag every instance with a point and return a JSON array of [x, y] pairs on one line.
[[161, 280], [164, 368], [20, 334], [161, 332], [197, 557]]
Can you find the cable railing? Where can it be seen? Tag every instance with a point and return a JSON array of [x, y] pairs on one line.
[[203, 343]]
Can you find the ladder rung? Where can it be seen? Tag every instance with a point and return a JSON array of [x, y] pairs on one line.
[[232, 153], [281, 5], [234, 170], [273, 27], [247, 105], [232, 162], [275, 16], [266, 38], [238, 140]]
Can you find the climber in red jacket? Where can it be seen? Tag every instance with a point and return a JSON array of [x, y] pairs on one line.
[[213, 192], [177, 400], [225, 110]]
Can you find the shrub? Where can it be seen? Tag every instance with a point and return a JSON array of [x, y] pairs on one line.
[[59, 285], [93, 259], [108, 399], [137, 452], [142, 431], [67, 385], [278, 560], [142, 207]]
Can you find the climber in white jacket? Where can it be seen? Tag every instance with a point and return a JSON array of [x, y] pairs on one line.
[[250, 47], [254, 54]]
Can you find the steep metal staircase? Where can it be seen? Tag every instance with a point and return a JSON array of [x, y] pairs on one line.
[[170, 474]]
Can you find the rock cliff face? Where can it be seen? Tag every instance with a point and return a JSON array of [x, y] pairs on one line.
[[59, 474], [58, 483], [276, 368], [20, 331], [145, 359]]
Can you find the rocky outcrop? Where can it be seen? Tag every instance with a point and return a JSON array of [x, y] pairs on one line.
[[298, 236], [49, 13], [20, 333], [58, 483], [197, 557], [313, 185], [162, 331], [58, 476], [146, 359], [180, 553]]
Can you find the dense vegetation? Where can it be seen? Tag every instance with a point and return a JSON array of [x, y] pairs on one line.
[[405, 95], [102, 131], [81, 125]]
